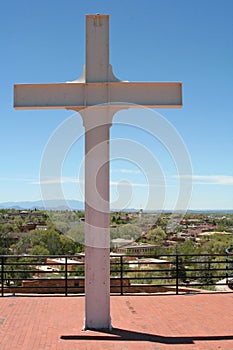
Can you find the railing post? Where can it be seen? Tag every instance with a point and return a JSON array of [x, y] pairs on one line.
[[121, 271], [66, 277], [2, 276], [177, 274], [227, 267]]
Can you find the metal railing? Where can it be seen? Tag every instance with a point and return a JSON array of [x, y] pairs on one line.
[[229, 267], [177, 273]]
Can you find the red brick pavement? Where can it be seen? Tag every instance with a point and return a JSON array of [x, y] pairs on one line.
[[139, 322]]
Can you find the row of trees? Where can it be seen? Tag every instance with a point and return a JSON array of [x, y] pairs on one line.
[[65, 232], [48, 242]]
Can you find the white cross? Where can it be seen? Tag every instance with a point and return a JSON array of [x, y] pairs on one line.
[[97, 86]]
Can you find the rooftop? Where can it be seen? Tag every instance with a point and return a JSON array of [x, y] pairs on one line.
[[202, 321]]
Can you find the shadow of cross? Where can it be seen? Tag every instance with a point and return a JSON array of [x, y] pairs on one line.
[[118, 334], [97, 95]]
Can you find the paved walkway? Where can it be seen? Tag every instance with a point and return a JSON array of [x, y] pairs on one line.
[[139, 322]]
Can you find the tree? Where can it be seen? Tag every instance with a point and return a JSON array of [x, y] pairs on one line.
[[77, 233], [126, 231], [157, 235], [187, 247], [49, 239], [39, 250], [52, 242], [68, 246], [23, 245]]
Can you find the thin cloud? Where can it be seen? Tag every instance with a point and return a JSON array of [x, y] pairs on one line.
[[71, 180], [221, 180], [126, 171], [58, 180], [132, 184], [15, 179], [208, 179]]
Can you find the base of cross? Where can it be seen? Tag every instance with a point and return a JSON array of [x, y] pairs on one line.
[[97, 287], [104, 329]]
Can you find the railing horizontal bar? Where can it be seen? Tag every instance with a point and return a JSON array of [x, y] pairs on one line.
[[114, 255], [203, 270]]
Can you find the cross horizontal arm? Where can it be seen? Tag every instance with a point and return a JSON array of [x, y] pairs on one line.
[[81, 95]]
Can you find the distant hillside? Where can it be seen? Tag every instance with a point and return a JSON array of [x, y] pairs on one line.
[[72, 204], [49, 204]]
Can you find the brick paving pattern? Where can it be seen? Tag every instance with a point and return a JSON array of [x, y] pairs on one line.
[[139, 322]]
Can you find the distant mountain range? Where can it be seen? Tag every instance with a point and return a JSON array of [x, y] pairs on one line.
[[43, 205], [72, 204]]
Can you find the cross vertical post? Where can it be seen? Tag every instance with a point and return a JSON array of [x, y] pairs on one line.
[[97, 232], [97, 223], [97, 48]]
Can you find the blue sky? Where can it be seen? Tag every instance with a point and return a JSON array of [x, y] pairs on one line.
[[154, 40]]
